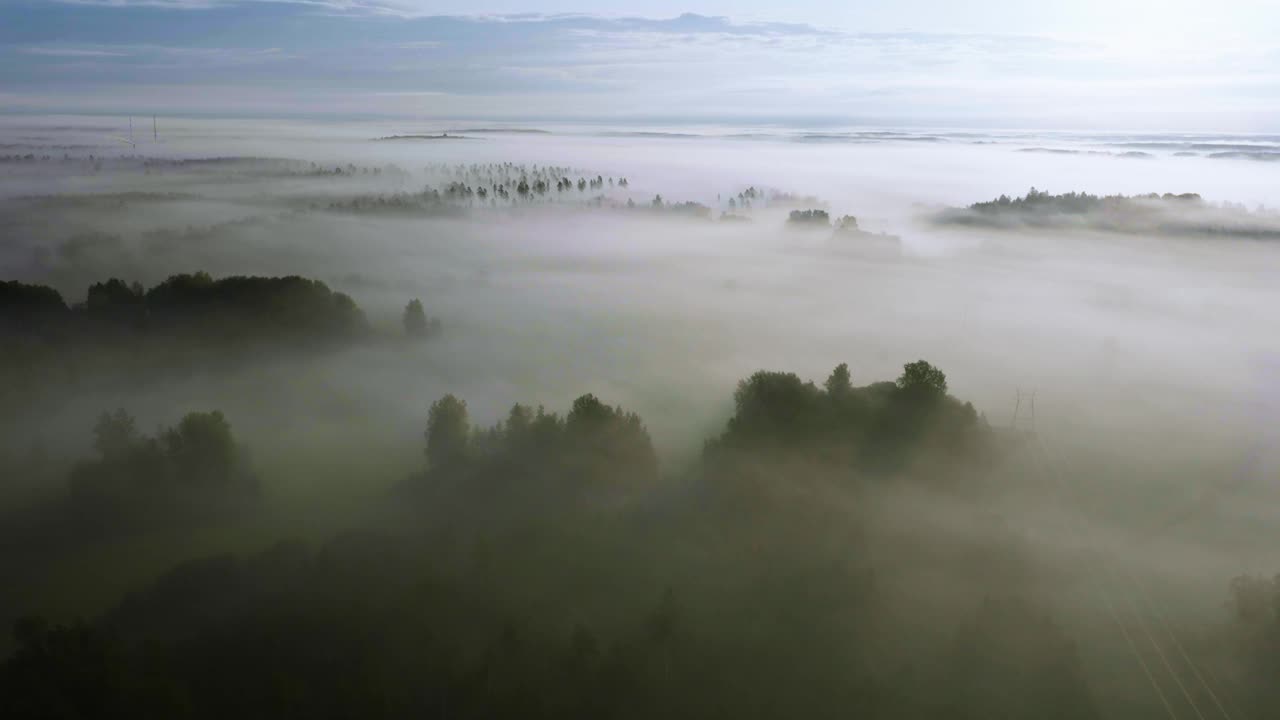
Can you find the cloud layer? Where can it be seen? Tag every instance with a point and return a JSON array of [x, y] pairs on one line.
[[375, 57]]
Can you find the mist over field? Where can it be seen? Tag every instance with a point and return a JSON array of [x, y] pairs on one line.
[[1041, 486]]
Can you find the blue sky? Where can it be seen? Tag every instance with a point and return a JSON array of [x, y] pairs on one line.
[[1117, 64]]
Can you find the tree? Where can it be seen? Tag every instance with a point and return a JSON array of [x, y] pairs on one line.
[[202, 447], [809, 217], [921, 376], [414, 319], [66, 671], [773, 407], [838, 384], [114, 433], [1255, 600], [187, 471], [448, 432], [588, 413], [34, 309], [519, 420], [607, 442], [113, 292]]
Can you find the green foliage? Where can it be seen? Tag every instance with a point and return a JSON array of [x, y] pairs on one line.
[[192, 470], [809, 217], [775, 406], [532, 583], [20, 298], [1255, 606], [116, 302], [69, 671], [115, 434], [881, 427], [607, 444], [201, 448], [30, 309], [378, 626], [1075, 203], [839, 383], [1013, 661], [1169, 214], [416, 323], [536, 462], [122, 335], [448, 432], [283, 307], [187, 308], [922, 377], [1255, 600]]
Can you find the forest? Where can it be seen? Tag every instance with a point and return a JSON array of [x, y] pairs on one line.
[[308, 425], [542, 566], [1167, 214], [458, 601]]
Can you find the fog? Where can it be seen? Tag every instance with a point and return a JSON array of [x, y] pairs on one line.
[[1128, 375]]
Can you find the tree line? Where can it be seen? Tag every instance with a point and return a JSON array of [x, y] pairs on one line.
[[189, 304], [610, 607]]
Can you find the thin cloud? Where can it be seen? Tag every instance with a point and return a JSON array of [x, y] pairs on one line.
[[410, 93], [390, 49], [344, 6], [419, 45], [71, 52]]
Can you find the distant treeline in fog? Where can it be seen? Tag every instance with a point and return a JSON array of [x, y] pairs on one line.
[[449, 188], [186, 322], [188, 306], [1185, 214]]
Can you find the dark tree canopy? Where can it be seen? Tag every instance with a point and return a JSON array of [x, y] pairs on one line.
[[193, 469], [774, 405], [1073, 202], [847, 223], [186, 308], [839, 384], [115, 433], [879, 427], [202, 447], [922, 376], [1167, 215], [448, 432], [291, 306], [416, 323], [809, 217], [415, 319], [30, 309], [535, 463]]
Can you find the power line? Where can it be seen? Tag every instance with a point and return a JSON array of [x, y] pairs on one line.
[[1043, 448], [1182, 651], [1042, 462], [1137, 654], [1164, 659]]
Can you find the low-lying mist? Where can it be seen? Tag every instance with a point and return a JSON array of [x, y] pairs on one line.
[[1050, 423]]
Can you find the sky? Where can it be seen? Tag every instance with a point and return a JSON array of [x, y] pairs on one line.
[[1113, 64]]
